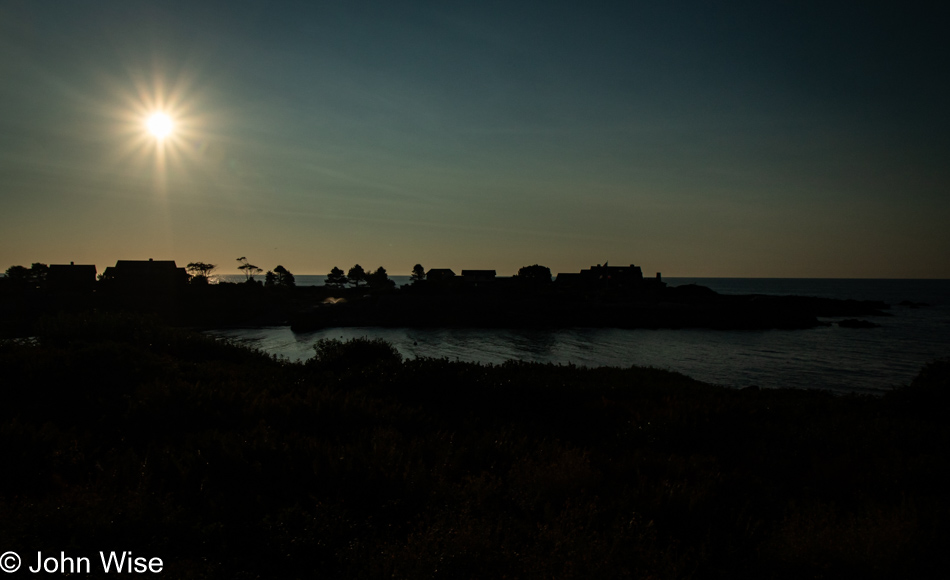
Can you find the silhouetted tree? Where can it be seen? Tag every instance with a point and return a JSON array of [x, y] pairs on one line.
[[250, 270], [418, 273], [336, 278], [356, 275], [535, 274], [284, 277], [18, 273], [270, 279], [38, 272], [200, 272], [32, 277], [379, 280]]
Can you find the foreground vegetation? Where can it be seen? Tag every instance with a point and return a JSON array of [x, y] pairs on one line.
[[121, 434]]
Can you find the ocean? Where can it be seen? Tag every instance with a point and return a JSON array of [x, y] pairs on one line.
[[838, 359]]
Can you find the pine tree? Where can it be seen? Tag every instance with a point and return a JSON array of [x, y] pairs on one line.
[[356, 275], [418, 273], [336, 278]]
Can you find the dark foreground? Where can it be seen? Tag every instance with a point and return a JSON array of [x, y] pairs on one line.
[[118, 434]]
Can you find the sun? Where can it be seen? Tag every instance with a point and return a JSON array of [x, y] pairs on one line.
[[160, 125]]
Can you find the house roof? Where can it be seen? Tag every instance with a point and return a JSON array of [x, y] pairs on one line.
[[146, 265], [146, 271], [70, 275], [71, 270]]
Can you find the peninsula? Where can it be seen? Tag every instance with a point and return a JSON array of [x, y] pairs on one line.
[[599, 296]]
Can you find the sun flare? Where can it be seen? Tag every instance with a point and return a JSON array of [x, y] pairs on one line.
[[160, 125]]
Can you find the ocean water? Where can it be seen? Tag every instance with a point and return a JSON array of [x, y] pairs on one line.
[[833, 358]]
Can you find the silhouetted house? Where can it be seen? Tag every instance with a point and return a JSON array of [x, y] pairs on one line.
[[439, 275], [608, 278], [71, 278], [141, 276], [614, 277]]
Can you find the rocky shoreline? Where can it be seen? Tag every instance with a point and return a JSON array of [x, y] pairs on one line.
[[679, 307]]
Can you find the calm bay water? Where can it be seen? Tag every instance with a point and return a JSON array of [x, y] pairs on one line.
[[834, 358]]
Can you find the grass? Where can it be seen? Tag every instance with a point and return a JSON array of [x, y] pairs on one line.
[[120, 434]]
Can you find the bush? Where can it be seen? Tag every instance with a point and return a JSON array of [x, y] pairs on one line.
[[333, 354]]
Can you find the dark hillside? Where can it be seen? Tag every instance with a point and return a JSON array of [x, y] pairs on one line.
[[121, 434]]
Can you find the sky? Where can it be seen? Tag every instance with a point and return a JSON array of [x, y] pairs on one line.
[[739, 139]]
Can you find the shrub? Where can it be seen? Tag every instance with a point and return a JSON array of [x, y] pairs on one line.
[[333, 354]]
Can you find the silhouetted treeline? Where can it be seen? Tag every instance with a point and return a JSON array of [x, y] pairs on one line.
[[602, 296]]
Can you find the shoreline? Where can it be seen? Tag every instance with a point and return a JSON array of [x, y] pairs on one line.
[[360, 463]]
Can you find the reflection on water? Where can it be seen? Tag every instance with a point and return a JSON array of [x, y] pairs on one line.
[[867, 360], [828, 357], [537, 344]]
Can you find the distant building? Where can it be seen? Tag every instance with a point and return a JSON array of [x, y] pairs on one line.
[[439, 274], [143, 276], [614, 276], [608, 278], [71, 278]]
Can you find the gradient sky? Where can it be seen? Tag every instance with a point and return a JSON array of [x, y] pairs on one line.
[[772, 139]]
